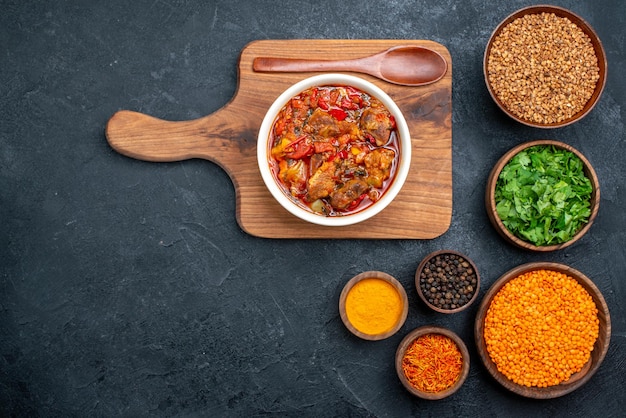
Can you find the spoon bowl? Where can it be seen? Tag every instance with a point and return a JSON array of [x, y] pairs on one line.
[[403, 65]]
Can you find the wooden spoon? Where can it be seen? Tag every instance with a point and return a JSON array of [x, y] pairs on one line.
[[403, 65]]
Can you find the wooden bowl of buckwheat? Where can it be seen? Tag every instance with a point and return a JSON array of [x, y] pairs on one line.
[[545, 66]]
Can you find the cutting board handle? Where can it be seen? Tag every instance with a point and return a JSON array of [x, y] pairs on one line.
[[147, 138]]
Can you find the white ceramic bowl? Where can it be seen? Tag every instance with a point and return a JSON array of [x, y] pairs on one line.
[[286, 201]]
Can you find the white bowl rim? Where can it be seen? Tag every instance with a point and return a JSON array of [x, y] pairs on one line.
[[402, 170]]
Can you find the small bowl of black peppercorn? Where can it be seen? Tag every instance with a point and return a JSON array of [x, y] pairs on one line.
[[447, 281]]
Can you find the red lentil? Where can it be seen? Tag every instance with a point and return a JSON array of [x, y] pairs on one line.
[[540, 328]]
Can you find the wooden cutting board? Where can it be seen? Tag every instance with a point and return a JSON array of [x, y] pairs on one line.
[[227, 137]]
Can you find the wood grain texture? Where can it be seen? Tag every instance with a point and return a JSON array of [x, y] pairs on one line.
[[227, 137]]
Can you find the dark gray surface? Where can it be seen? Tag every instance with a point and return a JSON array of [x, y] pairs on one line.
[[128, 289]]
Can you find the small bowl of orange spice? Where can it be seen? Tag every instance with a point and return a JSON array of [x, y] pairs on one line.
[[542, 330], [432, 362], [373, 305]]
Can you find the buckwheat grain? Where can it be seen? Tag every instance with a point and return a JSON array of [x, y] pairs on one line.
[[543, 68]]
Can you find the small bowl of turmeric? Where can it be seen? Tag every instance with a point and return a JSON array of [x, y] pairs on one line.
[[542, 330], [432, 362], [373, 305]]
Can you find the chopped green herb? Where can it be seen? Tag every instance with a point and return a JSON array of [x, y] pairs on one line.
[[543, 195]]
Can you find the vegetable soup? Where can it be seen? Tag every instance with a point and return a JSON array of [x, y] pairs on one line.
[[334, 149]]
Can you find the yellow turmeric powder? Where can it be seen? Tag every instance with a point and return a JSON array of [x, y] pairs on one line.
[[373, 306], [540, 328]]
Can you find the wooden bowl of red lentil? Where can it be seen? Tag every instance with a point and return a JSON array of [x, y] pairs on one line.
[[564, 155], [545, 66], [447, 281], [432, 362], [542, 330]]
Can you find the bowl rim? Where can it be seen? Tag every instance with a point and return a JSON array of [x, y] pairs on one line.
[[419, 288], [598, 354], [404, 140], [490, 201], [380, 275], [425, 330], [585, 27]]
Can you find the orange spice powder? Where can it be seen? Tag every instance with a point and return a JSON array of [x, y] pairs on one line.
[[374, 306]]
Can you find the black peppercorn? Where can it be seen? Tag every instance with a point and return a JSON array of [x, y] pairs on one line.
[[448, 281]]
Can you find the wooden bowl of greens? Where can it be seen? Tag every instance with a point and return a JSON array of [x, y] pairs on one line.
[[542, 195]]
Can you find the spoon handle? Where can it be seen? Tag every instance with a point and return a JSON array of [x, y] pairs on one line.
[[272, 64]]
